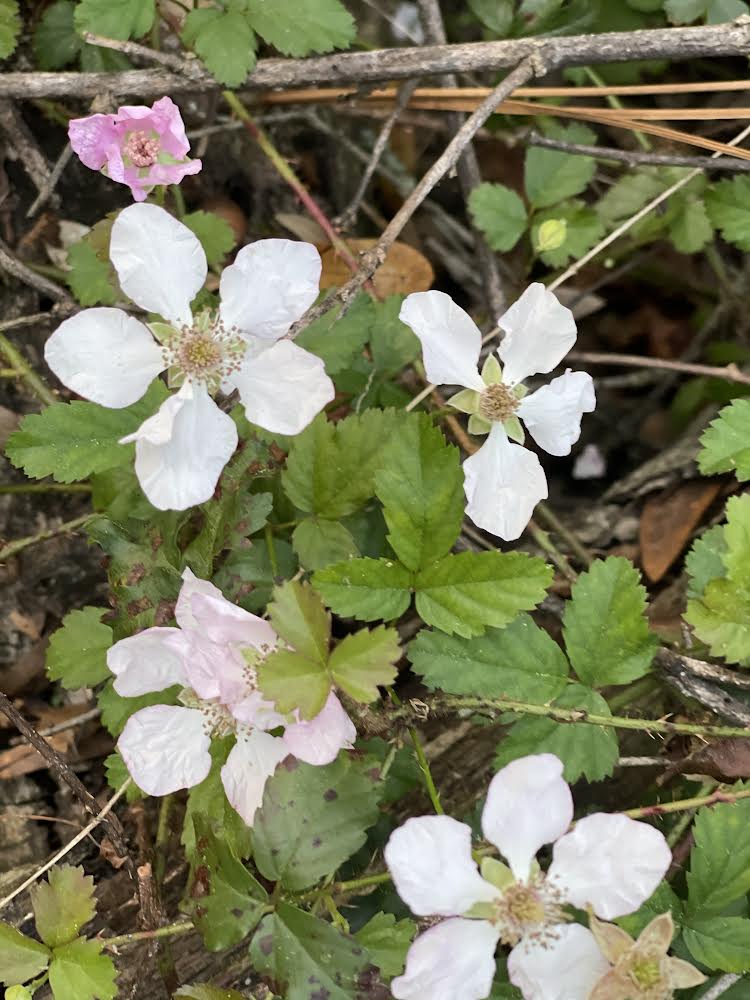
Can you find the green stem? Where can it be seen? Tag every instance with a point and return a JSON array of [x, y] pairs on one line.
[[424, 764], [271, 546], [680, 804], [633, 692], [545, 513], [46, 488], [545, 543], [162, 837], [614, 102], [171, 930], [13, 548], [179, 200], [345, 888], [35, 382], [675, 834]]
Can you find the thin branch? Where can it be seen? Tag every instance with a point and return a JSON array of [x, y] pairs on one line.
[[22, 146], [21, 366], [46, 190], [707, 671], [722, 984], [14, 547], [634, 158], [25, 274], [729, 373], [58, 311], [185, 65]]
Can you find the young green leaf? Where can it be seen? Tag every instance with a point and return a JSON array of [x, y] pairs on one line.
[[728, 207], [691, 229], [704, 562], [392, 344], [294, 681], [500, 213], [63, 904], [363, 660], [299, 27], [726, 441], [21, 958], [628, 195], [10, 27], [366, 589], [77, 651], [720, 858], [79, 971], [300, 618], [91, 279], [551, 176], [224, 40], [319, 542], [337, 339], [721, 943], [606, 632], [56, 42], [115, 18], [387, 940], [215, 234]]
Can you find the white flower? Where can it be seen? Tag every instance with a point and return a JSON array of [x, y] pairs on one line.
[[503, 481], [608, 862], [166, 747], [111, 358]]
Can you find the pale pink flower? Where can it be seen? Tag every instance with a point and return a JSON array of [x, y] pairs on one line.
[[211, 655], [608, 862], [138, 146]]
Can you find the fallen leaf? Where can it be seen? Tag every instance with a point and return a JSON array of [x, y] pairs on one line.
[[668, 521], [405, 269]]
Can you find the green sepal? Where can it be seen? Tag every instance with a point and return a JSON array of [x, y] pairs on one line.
[[163, 332], [492, 370], [467, 401], [496, 873], [514, 430], [478, 425], [480, 911]]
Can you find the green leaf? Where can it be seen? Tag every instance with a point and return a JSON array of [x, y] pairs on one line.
[[387, 940], [247, 575], [18, 993], [115, 18], [721, 943], [720, 858], [392, 344], [208, 804], [726, 441], [704, 561], [584, 749], [63, 904], [628, 195], [691, 229], [215, 234], [91, 279], [117, 775], [421, 488], [225, 900], [293, 681], [71, 441], [299, 27], [606, 632], [714, 11], [728, 207], [205, 991], [663, 900], [551, 176], [367, 589], [736, 558], [319, 542], [225, 42], [312, 820], [464, 593], [337, 339], [720, 11], [500, 213], [303, 956], [95, 59], [79, 971], [520, 661], [21, 958], [10, 27], [55, 41], [116, 710], [583, 228], [363, 660], [77, 651], [497, 15], [721, 619], [300, 618]]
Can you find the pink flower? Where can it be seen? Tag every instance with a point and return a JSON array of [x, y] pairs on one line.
[[138, 146]]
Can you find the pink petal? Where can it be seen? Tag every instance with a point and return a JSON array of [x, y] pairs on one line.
[[148, 661], [319, 740], [91, 138], [455, 960], [165, 748]]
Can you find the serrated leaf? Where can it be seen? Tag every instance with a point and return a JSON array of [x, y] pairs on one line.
[[606, 632], [387, 940], [500, 213], [55, 41], [393, 345], [720, 858], [300, 618], [736, 558], [465, 593], [551, 176], [520, 661], [115, 18], [319, 542], [583, 228], [337, 339], [91, 279], [366, 589], [77, 651], [225, 42], [21, 958], [728, 207], [584, 749], [299, 27], [117, 774], [63, 904], [79, 971], [293, 681], [691, 228], [725, 444], [312, 820], [628, 195], [721, 943], [215, 234], [70, 441], [704, 561], [363, 660], [10, 27]]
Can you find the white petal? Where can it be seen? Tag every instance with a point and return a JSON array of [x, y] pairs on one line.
[[450, 339], [528, 805], [215, 671], [553, 413], [222, 622], [564, 968], [251, 762], [165, 748], [283, 388], [503, 483], [148, 661], [455, 960], [160, 263], [319, 740], [192, 584], [254, 710], [430, 860], [181, 451], [539, 332], [270, 285], [611, 862], [104, 355]]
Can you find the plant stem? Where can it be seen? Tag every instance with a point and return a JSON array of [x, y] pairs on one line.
[[35, 382], [424, 764], [694, 803], [45, 488], [633, 692], [545, 513], [179, 200], [345, 888], [13, 548], [675, 834], [271, 546], [171, 930], [542, 539], [614, 102], [162, 838]]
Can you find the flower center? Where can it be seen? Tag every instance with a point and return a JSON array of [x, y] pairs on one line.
[[141, 149], [646, 973], [205, 352], [528, 909], [497, 402]]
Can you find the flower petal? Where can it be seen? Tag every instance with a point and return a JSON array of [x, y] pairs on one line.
[[222, 622], [251, 762], [450, 339], [270, 285], [181, 451], [160, 263], [429, 858], [610, 862], [454, 959], [503, 483], [563, 968], [191, 585], [528, 805], [148, 661], [539, 332], [254, 710], [104, 355], [319, 740], [553, 413], [92, 137], [283, 388], [165, 748]]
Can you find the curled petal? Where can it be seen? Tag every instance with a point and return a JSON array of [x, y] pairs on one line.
[[104, 355], [450, 339], [503, 483], [528, 805], [181, 451], [319, 740], [165, 748], [251, 762], [220, 621], [92, 138], [609, 862], [160, 263], [565, 967], [539, 332], [553, 413], [191, 585], [270, 285], [429, 858], [148, 661], [454, 959]]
